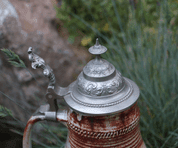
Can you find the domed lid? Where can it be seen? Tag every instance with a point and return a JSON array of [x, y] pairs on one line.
[[100, 89]]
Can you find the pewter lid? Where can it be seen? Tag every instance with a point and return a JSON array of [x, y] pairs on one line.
[[100, 89]]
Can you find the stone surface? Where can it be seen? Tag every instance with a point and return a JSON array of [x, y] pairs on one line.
[[6, 10], [33, 23], [23, 75]]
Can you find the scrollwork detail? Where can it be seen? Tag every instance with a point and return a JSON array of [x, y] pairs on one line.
[[38, 62], [100, 88]]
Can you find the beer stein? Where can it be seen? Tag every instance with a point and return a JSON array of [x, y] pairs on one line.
[[102, 106]]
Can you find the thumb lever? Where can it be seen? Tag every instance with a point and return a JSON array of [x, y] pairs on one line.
[[51, 98]]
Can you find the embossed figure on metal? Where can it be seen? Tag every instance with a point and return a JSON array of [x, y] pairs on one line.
[[102, 111]]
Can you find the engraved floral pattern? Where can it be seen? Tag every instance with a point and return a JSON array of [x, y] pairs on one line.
[[100, 88]]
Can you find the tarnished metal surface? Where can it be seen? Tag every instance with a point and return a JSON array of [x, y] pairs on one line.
[[105, 104], [62, 117], [50, 116], [99, 89], [38, 62], [97, 49], [99, 77]]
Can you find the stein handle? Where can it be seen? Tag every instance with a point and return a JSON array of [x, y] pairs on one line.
[[50, 111], [53, 89], [61, 116]]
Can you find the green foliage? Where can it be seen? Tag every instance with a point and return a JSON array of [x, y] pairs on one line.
[[101, 15], [144, 49], [147, 14], [4, 111], [91, 11], [13, 58]]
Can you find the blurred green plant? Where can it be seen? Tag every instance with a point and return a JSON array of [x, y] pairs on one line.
[[119, 16], [4, 111], [143, 47], [92, 12], [13, 58]]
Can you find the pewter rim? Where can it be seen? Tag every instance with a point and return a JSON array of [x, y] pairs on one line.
[[90, 111], [126, 96]]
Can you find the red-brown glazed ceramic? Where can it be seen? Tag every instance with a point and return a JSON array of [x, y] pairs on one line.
[[119, 130]]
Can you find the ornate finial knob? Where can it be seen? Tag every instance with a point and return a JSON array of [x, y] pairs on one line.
[[97, 49], [97, 42]]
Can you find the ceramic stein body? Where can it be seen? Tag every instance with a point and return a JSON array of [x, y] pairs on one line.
[[110, 131]]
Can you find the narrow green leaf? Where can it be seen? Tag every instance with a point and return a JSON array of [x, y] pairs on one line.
[[4, 111], [13, 58]]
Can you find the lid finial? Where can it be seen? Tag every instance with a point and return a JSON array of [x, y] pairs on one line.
[[97, 49], [97, 42]]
